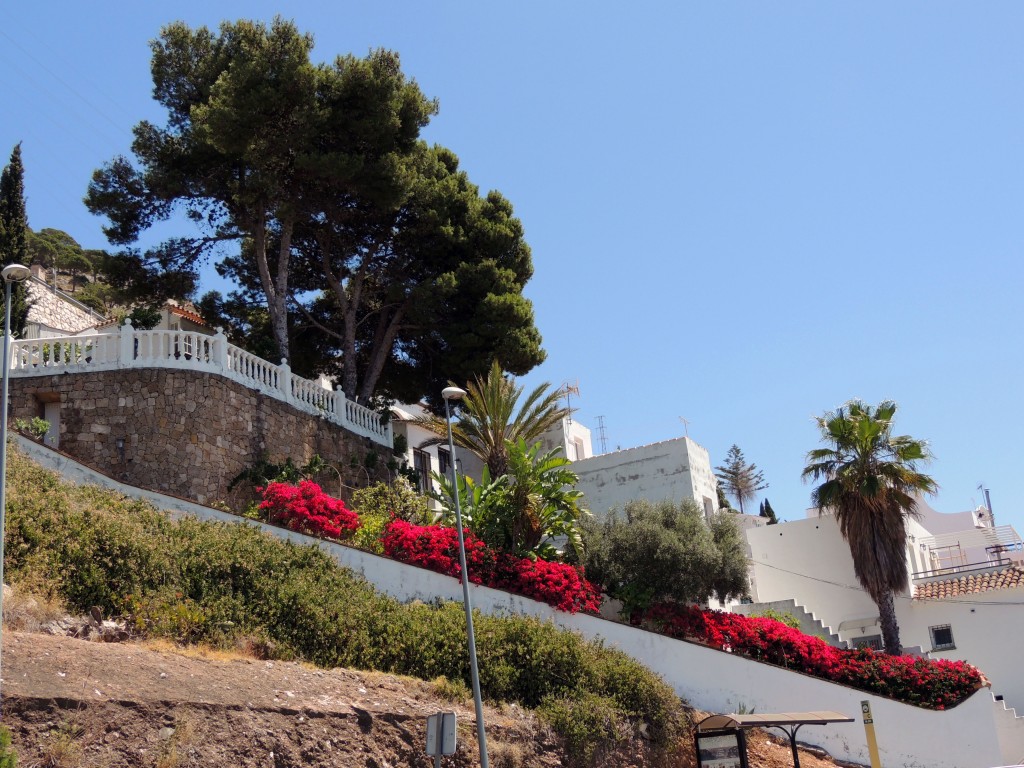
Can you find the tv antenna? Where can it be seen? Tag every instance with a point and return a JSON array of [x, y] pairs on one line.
[[601, 434], [569, 389], [686, 425]]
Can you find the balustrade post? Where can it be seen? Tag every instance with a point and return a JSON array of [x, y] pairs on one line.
[[126, 354], [219, 351], [339, 406], [284, 380]]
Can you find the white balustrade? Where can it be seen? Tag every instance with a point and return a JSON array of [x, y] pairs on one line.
[[131, 348]]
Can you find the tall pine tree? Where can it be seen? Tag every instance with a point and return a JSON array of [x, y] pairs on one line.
[[14, 235], [739, 479]]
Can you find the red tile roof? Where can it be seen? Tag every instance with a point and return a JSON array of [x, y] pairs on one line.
[[971, 584]]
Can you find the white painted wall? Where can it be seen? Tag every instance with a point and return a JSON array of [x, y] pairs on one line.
[[671, 470], [572, 437], [987, 630], [809, 562], [968, 736]]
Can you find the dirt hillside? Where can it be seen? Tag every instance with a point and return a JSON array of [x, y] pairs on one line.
[[72, 702]]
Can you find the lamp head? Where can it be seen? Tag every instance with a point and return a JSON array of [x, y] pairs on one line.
[[453, 393], [15, 273]]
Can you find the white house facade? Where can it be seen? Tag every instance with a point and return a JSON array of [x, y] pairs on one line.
[[964, 598], [671, 470]]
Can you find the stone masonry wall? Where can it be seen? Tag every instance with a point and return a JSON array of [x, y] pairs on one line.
[[186, 433]]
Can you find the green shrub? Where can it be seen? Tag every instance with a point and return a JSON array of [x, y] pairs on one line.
[[378, 504], [655, 552], [225, 583], [589, 725], [387, 500], [784, 617], [8, 759]]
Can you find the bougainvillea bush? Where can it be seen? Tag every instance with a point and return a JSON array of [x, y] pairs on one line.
[[307, 509], [436, 548], [937, 684]]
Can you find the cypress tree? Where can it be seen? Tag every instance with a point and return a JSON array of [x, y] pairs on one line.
[[767, 511], [14, 234]]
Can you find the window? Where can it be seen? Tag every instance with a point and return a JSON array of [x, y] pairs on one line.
[[421, 463], [942, 637], [444, 461], [874, 642]]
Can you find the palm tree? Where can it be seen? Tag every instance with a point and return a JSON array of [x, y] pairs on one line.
[[491, 418], [870, 482], [741, 480]]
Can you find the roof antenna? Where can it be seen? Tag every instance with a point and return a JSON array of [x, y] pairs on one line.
[[686, 425]]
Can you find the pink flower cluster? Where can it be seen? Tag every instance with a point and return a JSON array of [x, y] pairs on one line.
[[557, 584], [937, 684], [307, 509]]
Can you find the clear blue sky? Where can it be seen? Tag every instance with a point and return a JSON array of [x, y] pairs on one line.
[[740, 213]]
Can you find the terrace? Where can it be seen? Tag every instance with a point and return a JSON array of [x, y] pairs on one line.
[[129, 348]]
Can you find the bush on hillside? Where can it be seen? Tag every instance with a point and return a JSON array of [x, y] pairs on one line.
[[218, 582]]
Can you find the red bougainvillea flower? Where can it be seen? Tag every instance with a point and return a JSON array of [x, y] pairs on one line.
[[307, 509]]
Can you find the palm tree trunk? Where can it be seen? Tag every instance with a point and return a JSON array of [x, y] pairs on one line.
[[890, 629]]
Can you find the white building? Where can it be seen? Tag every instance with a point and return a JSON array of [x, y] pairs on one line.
[[964, 598], [571, 436], [425, 459], [671, 470]]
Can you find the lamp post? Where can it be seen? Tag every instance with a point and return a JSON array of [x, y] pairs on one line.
[[12, 273], [449, 394]]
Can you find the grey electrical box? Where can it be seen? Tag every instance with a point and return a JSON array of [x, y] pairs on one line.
[[441, 734]]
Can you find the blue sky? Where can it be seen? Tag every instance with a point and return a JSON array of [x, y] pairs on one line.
[[743, 214]]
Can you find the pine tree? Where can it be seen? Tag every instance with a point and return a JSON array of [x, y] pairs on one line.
[[740, 480], [14, 234]]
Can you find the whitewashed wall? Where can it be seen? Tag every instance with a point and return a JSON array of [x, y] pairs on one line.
[[671, 470], [965, 737], [987, 630], [572, 437], [808, 561]]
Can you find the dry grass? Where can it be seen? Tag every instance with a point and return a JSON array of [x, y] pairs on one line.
[[184, 735], [208, 652], [26, 611], [454, 691], [63, 747], [504, 754]]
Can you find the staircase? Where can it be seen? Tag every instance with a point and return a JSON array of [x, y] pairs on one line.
[[809, 623], [1009, 730]]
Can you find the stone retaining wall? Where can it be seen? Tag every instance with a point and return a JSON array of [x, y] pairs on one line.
[[186, 433]]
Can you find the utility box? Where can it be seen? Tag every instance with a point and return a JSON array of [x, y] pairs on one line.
[[441, 734]]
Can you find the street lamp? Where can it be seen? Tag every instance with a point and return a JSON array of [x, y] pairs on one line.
[[449, 394], [12, 273]]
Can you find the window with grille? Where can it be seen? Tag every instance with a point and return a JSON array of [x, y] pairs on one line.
[[444, 461], [421, 463], [942, 637], [874, 642]]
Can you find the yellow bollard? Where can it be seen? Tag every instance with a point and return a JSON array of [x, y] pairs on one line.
[[869, 729]]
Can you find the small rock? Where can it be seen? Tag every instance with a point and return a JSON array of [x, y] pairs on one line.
[[166, 733]]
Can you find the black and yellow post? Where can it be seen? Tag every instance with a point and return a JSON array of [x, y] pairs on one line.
[[869, 729]]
